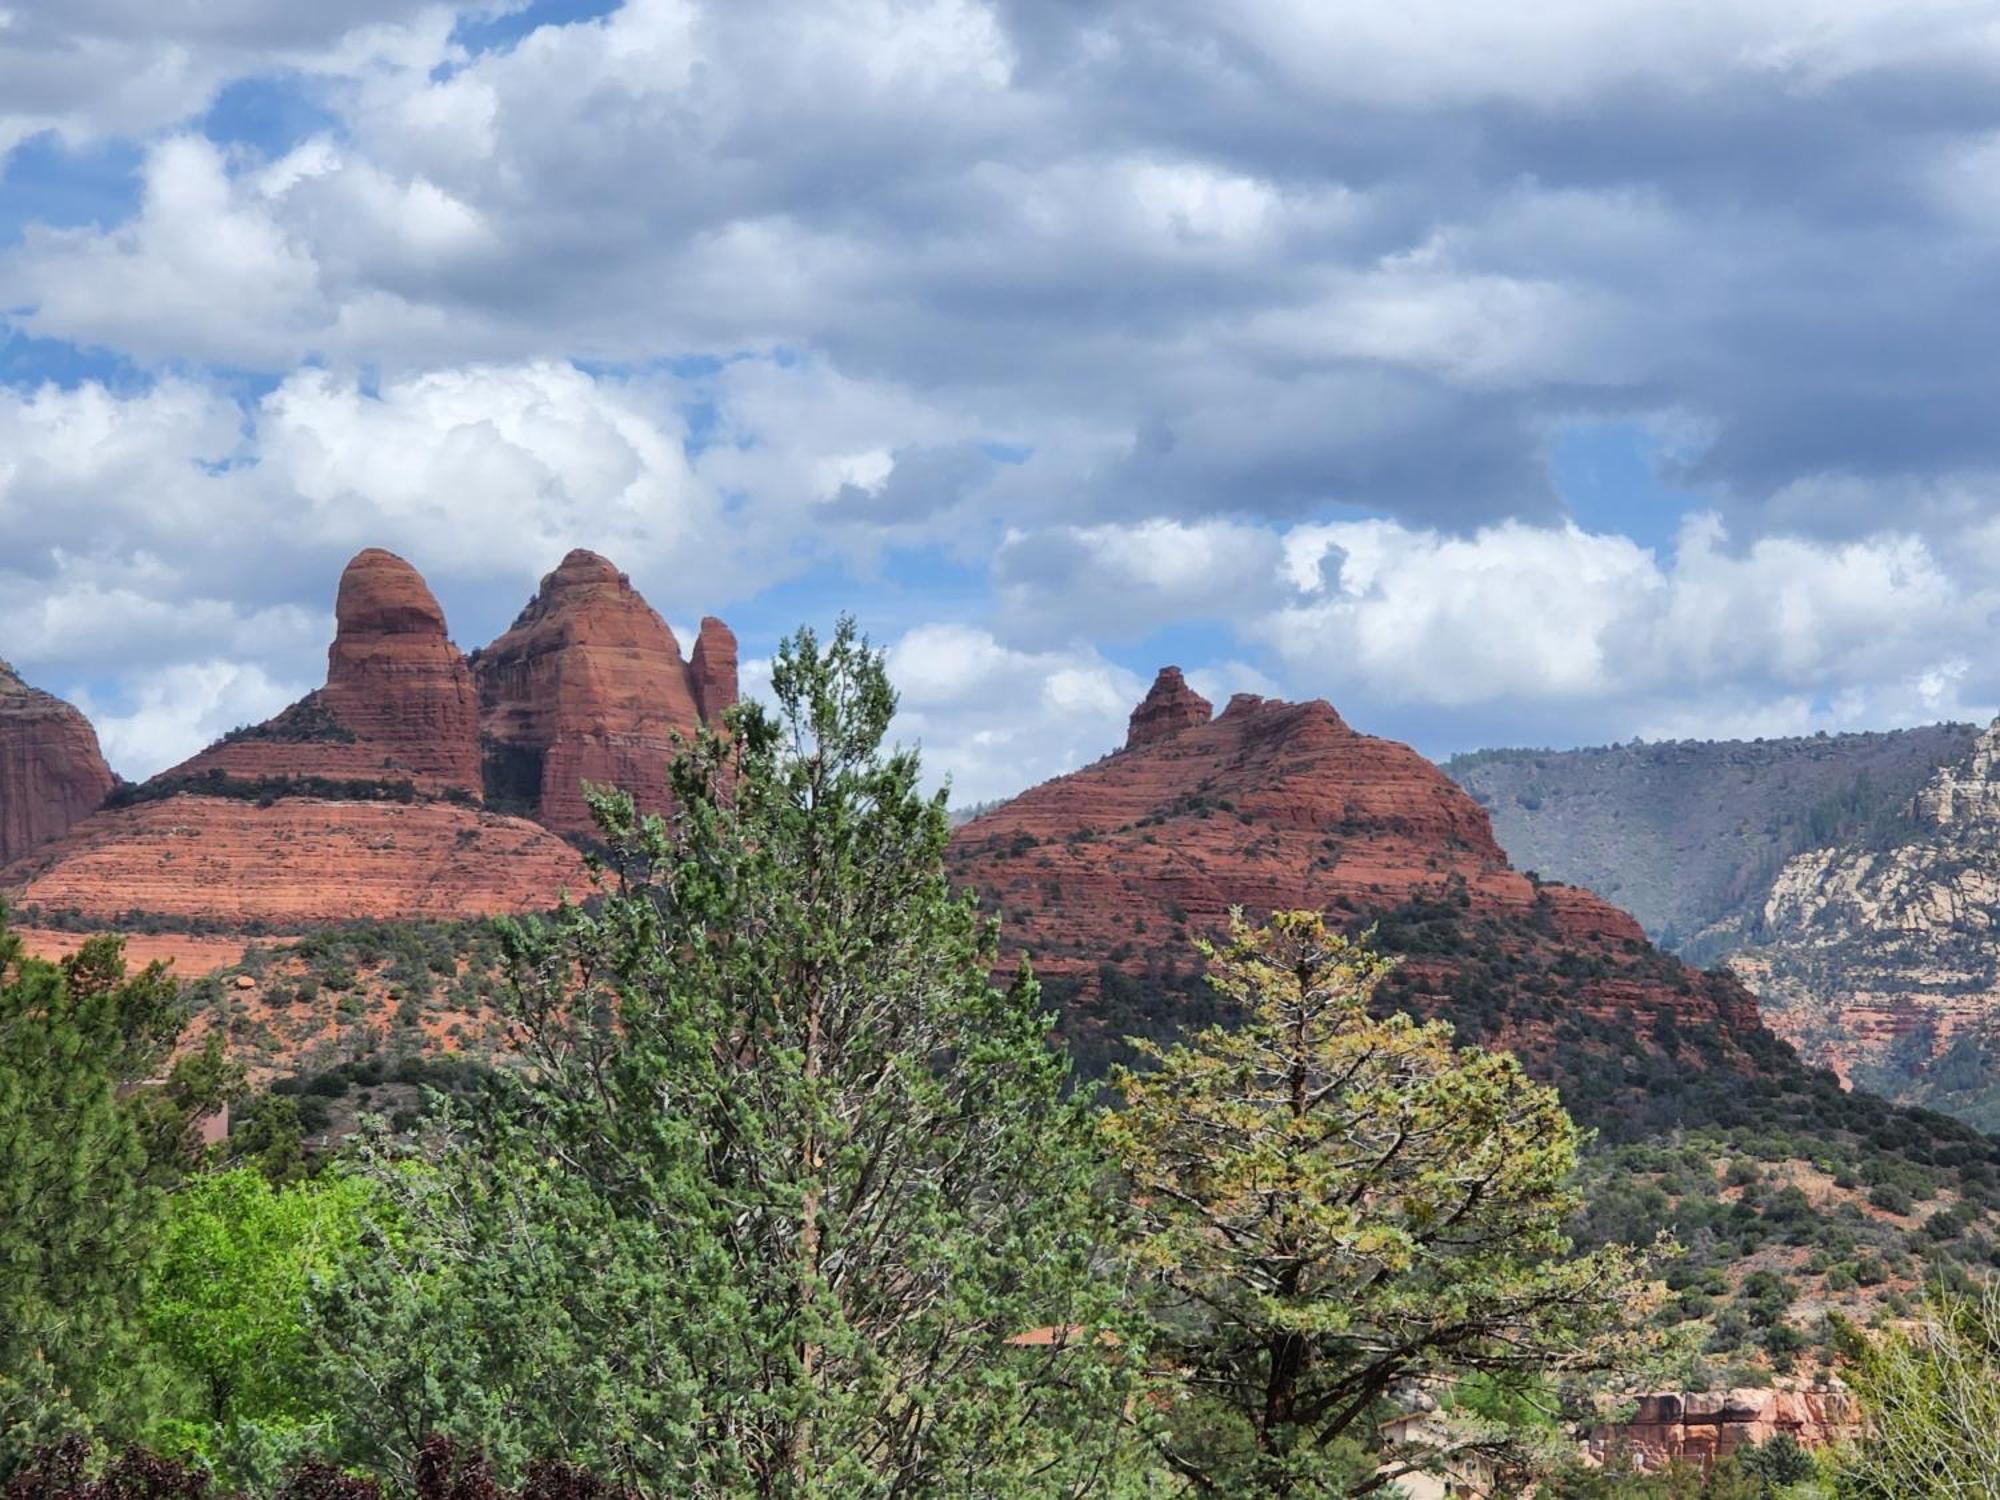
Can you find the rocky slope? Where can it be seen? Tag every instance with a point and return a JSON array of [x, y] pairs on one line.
[[51, 771], [1793, 1197], [1106, 874], [1881, 961], [1689, 835], [299, 862], [1698, 1427], [589, 685]]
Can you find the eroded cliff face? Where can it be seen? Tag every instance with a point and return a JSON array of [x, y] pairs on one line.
[[1106, 874], [1698, 1427], [1881, 962], [398, 704], [52, 773], [589, 685]]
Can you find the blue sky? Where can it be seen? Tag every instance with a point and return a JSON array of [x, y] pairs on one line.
[[1547, 375]]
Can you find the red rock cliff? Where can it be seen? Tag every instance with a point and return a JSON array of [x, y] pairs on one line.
[[51, 771], [713, 668], [1167, 709], [589, 685], [1113, 868], [398, 704]]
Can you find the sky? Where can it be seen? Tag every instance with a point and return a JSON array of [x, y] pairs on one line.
[[1550, 374]]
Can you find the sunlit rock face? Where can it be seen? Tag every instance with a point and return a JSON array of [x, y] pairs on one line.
[[589, 686], [1105, 876]]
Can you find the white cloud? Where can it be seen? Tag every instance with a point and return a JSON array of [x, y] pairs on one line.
[[181, 710], [86, 69], [1127, 580], [495, 469], [1784, 633], [994, 719], [1558, 52]]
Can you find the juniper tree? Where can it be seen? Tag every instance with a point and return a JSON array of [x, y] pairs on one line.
[[94, 1126], [1333, 1207], [788, 1175]]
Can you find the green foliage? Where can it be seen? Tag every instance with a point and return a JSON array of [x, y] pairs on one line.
[[93, 1128], [1332, 1206], [786, 1176], [266, 790], [226, 1304], [1932, 1391]]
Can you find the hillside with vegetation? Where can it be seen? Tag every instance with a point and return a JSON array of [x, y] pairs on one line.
[[1688, 835]]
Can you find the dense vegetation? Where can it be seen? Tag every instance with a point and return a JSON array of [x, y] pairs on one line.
[[780, 1194]]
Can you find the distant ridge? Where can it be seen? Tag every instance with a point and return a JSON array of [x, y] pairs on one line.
[[1688, 835]]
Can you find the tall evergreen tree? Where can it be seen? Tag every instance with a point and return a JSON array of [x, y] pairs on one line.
[[819, 1172], [1336, 1209], [94, 1126]]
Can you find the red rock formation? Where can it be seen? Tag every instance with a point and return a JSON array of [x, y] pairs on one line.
[[1168, 708], [51, 771], [298, 862], [713, 668], [398, 704], [331, 831], [1113, 868], [1701, 1426], [589, 685]]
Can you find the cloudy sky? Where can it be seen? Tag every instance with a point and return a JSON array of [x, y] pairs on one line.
[[1542, 374]]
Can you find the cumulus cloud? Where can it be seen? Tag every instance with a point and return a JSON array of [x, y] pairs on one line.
[[1785, 633], [1118, 315], [86, 69], [190, 705], [993, 719]]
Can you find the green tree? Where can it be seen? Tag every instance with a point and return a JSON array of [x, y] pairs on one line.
[[94, 1125], [1932, 1394], [1333, 1206], [788, 1176], [227, 1303]]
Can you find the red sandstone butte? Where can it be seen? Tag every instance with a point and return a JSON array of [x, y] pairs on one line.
[[588, 685], [1275, 805], [398, 707], [398, 704], [51, 771]]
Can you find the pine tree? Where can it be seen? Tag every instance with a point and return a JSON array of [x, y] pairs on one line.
[[1335, 1209], [818, 1172]]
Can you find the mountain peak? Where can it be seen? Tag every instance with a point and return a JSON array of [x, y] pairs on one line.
[[1169, 707]]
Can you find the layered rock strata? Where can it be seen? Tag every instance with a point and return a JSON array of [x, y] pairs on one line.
[[1169, 706], [588, 685], [52, 773], [297, 863]]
